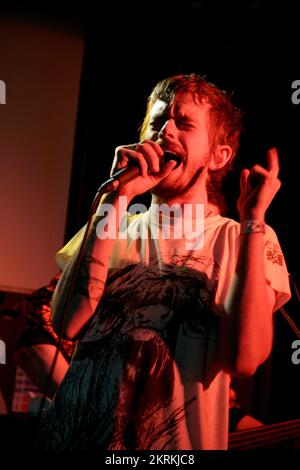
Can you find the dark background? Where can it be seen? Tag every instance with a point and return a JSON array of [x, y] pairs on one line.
[[248, 47]]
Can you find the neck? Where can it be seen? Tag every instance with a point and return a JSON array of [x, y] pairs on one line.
[[192, 197]]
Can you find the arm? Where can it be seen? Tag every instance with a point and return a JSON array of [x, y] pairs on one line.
[[247, 328], [36, 361], [36, 346], [91, 278]]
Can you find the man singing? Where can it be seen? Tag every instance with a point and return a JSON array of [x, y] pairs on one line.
[[163, 321]]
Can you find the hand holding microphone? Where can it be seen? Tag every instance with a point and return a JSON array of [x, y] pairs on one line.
[[138, 168]]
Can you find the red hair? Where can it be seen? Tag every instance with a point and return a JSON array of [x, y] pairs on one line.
[[225, 120]]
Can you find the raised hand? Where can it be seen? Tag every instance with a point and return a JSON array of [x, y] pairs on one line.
[[147, 154], [258, 187]]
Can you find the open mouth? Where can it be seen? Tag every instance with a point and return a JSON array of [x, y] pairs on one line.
[[168, 156]]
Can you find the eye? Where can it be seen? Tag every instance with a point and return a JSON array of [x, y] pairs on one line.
[[183, 124]]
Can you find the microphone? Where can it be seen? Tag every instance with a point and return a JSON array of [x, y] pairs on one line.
[[127, 174]]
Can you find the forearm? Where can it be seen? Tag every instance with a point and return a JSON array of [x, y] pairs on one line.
[[36, 361], [90, 279], [247, 328]]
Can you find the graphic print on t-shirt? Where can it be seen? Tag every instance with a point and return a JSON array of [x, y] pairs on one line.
[[173, 298]]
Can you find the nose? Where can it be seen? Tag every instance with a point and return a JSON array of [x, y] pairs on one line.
[[168, 129]]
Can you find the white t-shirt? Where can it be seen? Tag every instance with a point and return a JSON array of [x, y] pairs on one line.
[[176, 291]]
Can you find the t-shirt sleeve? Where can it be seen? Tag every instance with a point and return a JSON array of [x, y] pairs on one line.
[[68, 250], [276, 272], [275, 268]]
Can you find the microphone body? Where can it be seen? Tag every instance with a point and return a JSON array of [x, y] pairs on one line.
[[122, 176], [127, 174]]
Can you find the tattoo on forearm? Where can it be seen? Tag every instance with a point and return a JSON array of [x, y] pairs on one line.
[[86, 285], [90, 287], [91, 259]]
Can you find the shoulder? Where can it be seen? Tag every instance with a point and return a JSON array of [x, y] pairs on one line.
[[223, 226]]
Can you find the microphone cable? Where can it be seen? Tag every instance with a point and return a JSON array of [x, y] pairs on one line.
[[40, 412]]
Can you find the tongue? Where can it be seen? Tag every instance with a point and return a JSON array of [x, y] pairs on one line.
[[171, 156]]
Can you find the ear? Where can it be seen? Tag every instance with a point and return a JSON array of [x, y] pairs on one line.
[[220, 157]]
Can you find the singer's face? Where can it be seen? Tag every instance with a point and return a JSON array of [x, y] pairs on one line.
[[181, 128]]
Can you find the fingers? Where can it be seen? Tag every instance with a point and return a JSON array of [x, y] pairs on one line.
[[243, 187], [167, 168], [126, 156], [152, 152], [243, 179], [121, 159], [147, 154], [259, 175], [273, 161], [259, 170], [272, 166], [259, 187]]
